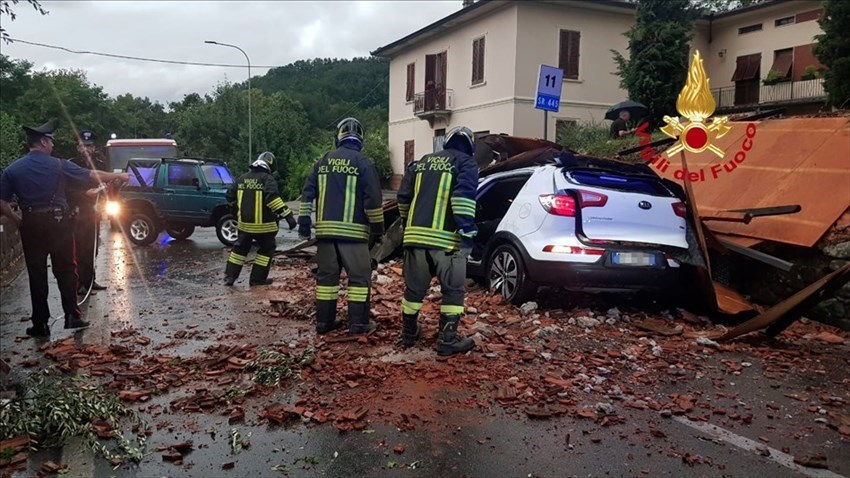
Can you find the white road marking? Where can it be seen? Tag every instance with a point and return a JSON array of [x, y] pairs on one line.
[[745, 443]]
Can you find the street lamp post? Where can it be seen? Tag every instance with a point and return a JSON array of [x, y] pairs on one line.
[[250, 137]]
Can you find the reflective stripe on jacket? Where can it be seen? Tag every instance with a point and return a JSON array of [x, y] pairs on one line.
[[437, 200], [258, 202], [345, 187]]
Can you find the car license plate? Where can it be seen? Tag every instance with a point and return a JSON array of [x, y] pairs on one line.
[[633, 259]]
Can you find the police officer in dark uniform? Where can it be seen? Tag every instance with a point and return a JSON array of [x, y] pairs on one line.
[[255, 198], [436, 202], [82, 202], [345, 186], [39, 181]]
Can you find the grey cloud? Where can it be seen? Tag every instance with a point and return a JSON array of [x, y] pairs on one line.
[[272, 33]]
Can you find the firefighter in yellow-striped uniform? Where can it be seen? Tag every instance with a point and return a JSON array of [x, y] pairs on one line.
[[256, 200], [349, 218], [436, 202]]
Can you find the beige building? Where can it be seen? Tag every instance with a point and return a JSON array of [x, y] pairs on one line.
[[479, 66]]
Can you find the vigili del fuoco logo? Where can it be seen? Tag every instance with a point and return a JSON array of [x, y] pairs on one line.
[[696, 104]]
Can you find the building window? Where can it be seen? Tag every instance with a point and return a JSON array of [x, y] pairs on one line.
[[784, 21], [809, 16], [411, 82], [782, 61], [750, 28], [568, 54], [478, 61], [408, 152]]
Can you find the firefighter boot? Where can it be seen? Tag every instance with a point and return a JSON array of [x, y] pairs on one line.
[[358, 318], [260, 271], [449, 342], [326, 317], [233, 268], [409, 330]]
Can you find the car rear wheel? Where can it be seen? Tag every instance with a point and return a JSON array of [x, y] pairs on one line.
[[226, 230], [180, 232], [141, 229], [507, 276]]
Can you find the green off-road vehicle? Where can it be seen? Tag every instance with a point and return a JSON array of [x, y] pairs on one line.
[[176, 195]]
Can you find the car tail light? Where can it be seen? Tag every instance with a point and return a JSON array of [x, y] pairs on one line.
[[573, 250], [592, 199], [680, 209], [558, 204]]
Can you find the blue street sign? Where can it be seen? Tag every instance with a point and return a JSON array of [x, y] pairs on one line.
[[549, 88]]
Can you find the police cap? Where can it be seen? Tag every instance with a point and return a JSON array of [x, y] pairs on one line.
[[45, 130], [87, 137]]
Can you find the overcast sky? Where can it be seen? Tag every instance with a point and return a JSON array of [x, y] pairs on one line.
[[271, 32]]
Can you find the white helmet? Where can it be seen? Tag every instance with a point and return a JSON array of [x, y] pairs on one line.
[[265, 160]]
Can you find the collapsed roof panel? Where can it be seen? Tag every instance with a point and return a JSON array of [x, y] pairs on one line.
[[803, 161]]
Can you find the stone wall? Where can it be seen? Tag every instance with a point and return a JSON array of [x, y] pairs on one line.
[[11, 252]]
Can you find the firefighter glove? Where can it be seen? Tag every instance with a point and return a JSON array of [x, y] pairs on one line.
[[291, 221]]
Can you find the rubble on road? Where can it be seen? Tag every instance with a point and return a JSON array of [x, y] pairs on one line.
[[538, 361]]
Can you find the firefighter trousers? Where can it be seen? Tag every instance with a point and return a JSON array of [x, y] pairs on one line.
[[239, 254], [420, 265], [332, 256]]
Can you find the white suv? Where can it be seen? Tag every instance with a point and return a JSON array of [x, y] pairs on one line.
[[593, 225]]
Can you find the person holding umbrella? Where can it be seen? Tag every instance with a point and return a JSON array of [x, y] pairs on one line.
[[621, 113]]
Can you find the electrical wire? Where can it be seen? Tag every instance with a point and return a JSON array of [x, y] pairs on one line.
[[137, 58], [366, 96]]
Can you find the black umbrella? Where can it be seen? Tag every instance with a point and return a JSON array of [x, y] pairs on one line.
[[636, 109]]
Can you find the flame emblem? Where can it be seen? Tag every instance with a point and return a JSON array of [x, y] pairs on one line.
[[695, 103]]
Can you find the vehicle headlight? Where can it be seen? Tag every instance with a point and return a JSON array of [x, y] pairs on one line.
[[113, 208]]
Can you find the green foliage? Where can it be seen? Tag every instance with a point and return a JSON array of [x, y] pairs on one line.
[[833, 50], [720, 6], [811, 73], [11, 140], [593, 139], [773, 77], [375, 147], [331, 89], [57, 409], [658, 54], [15, 79], [271, 367]]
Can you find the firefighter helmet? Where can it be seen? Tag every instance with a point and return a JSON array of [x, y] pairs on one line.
[[461, 138], [265, 160], [349, 129]]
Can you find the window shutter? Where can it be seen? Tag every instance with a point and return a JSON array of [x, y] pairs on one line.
[[782, 60], [568, 55], [411, 77], [478, 61]]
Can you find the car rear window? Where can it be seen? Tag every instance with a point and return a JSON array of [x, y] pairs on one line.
[[216, 175], [619, 182], [146, 171]]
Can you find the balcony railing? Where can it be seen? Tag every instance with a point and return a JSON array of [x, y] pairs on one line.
[[433, 102], [784, 92]]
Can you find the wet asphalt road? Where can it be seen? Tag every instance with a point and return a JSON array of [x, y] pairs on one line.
[[165, 287]]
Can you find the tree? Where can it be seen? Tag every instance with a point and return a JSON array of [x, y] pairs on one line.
[[11, 140], [718, 6], [833, 50], [6, 9], [658, 54], [15, 79]]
